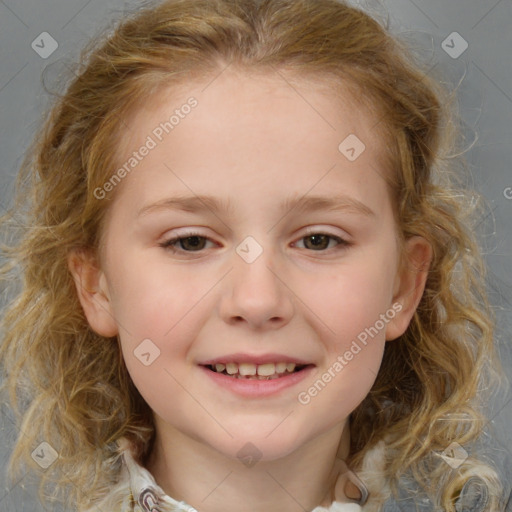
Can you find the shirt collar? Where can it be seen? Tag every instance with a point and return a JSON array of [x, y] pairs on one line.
[[148, 496]]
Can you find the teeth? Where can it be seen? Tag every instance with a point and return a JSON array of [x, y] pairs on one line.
[[290, 367], [280, 367], [267, 370], [232, 368], [247, 369]]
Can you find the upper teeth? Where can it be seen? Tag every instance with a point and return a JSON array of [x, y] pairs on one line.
[[253, 369]]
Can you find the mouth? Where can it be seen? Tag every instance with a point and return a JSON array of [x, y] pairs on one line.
[[254, 376], [251, 371]]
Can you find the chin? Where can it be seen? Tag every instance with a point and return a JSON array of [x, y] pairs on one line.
[[251, 445]]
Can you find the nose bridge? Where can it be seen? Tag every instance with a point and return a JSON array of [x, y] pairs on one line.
[[255, 291]]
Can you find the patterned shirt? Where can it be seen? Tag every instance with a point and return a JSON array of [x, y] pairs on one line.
[[137, 491]]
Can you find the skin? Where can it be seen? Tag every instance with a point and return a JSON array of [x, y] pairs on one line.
[[255, 141]]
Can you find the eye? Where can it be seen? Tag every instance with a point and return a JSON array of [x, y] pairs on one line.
[[195, 242], [189, 242], [321, 241]]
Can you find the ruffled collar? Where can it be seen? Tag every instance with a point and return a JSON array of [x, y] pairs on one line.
[[145, 495]]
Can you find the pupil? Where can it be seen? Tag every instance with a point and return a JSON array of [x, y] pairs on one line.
[[194, 242], [318, 240]]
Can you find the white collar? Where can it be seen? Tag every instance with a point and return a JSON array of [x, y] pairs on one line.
[[137, 490]]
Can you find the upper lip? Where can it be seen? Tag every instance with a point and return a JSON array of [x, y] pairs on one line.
[[255, 359]]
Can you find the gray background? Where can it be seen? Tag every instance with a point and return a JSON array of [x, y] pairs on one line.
[[483, 71]]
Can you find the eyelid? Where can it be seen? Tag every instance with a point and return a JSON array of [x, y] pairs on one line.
[[314, 230], [187, 232]]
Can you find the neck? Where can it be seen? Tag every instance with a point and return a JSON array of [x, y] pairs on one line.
[[195, 473]]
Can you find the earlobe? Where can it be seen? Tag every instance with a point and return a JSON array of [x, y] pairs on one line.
[[93, 293], [409, 284]]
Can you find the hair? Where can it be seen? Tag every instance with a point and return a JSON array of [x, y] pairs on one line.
[[70, 387]]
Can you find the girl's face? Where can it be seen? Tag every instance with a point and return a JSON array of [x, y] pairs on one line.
[[255, 227]]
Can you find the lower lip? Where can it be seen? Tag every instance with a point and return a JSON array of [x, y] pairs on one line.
[[254, 388]]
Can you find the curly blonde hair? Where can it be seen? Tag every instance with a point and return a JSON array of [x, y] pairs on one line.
[[70, 387]]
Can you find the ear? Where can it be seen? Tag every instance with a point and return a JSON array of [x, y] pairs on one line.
[[93, 293], [409, 285]]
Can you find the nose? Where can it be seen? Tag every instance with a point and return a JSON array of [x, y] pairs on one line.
[[256, 294]]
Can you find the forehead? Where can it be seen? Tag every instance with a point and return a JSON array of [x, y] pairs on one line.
[[237, 98], [248, 126]]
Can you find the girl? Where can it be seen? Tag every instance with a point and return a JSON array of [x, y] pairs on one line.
[[247, 280]]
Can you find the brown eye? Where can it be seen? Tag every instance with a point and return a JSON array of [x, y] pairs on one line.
[[317, 242], [321, 241], [191, 243]]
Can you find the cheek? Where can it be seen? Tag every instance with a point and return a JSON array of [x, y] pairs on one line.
[[153, 314], [340, 387], [152, 300], [351, 300], [354, 308]]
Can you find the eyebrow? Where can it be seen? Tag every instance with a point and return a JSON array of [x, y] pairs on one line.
[[302, 204]]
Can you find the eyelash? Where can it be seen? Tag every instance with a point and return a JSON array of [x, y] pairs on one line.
[[169, 245]]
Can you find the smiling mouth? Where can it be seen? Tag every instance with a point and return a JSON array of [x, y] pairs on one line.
[[251, 371]]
